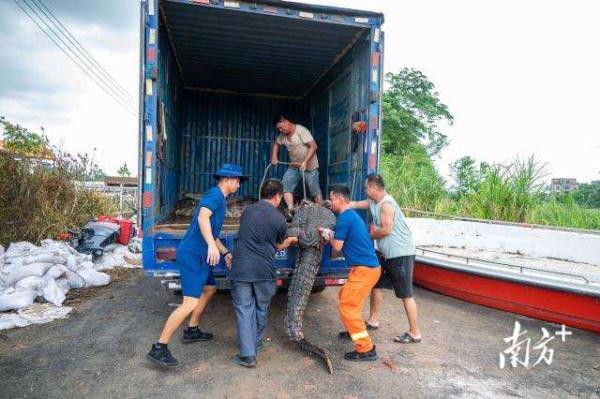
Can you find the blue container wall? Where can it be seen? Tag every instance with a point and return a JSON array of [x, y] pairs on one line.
[[220, 128], [168, 163], [342, 94], [203, 130]]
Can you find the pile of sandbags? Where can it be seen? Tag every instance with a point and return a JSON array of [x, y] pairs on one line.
[[29, 273]]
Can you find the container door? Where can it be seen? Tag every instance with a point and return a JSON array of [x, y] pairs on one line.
[[148, 133], [373, 134]]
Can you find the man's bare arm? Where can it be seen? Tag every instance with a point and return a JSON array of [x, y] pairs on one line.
[[206, 231], [337, 244], [387, 222], [312, 149], [364, 204], [274, 153], [288, 242]]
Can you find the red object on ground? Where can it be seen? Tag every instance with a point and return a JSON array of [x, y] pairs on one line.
[[126, 227], [568, 308]]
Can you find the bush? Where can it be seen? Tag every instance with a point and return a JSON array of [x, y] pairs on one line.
[[413, 180], [38, 201]]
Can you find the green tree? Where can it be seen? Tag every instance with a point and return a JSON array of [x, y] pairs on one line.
[[588, 195], [124, 170], [22, 141], [465, 175], [83, 167], [412, 112]]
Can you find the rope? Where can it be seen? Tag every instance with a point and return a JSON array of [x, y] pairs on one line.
[[267, 171]]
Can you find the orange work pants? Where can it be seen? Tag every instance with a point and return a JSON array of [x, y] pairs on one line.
[[361, 281]]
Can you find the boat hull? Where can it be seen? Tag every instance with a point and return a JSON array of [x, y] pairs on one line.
[[558, 306]]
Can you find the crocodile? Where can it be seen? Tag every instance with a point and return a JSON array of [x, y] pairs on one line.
[[309, 216]]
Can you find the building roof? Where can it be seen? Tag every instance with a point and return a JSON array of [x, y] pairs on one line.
[[121, 181]]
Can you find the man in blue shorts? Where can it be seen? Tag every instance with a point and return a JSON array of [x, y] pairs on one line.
[[198, 252]]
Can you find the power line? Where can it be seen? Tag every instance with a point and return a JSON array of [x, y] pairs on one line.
[[91, 70], [84, 51], [98, 82]]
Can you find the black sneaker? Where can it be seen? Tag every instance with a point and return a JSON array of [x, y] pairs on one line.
[[195, 335], [245, 361], [161, 355], [344, 335], [355, 356]]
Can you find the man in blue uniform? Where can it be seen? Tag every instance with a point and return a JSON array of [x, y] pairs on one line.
[[352, 238], [198, 252]]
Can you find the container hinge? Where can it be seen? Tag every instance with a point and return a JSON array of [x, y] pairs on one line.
[[374, 96]]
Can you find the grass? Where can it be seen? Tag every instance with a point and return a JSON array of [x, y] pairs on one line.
[[513, 193]]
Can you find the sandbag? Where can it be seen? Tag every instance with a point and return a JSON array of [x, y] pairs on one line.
[[32, 283], [94, 278], [111, 247], [58, 247], [63, 284], [56, 272], [75, 280], [16, 299], [44, 258], [11, 320], [108, 261], [121, 250], [20, 272], [37, 313], [53, 293], [43, 313], [21, 248], [72, 262]]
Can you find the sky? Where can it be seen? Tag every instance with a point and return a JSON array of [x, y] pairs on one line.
[[520, 77]]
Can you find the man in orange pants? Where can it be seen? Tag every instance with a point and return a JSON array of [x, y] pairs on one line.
[[352, 238]]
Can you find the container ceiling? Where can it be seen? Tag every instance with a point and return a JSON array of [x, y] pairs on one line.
[[231, 50]]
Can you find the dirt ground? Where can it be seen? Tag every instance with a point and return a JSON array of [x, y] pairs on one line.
[[98, 352]]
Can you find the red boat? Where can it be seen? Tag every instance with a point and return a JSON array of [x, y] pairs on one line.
[[561, 298]]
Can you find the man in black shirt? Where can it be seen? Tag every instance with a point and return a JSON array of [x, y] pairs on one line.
[[253, 273]]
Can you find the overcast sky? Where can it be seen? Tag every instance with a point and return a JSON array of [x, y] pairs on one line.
[[520, 77]]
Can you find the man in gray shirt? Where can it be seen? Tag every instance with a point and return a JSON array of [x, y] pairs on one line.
[[393, 242]]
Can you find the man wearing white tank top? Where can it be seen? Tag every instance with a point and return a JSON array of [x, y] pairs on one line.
[[394, 245]]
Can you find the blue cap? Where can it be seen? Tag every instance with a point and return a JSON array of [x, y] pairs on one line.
[[230, 170]]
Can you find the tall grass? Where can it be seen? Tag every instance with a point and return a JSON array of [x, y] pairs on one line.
[[513, 192], [565, 213], [38, 202], [413, 179]]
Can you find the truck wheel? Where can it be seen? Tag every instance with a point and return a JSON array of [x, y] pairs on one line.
[[317, 289]]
